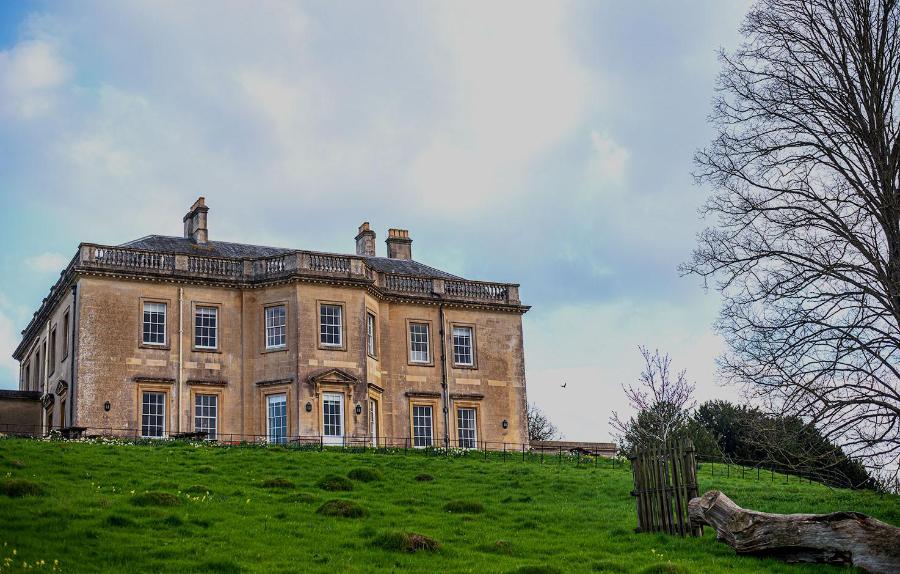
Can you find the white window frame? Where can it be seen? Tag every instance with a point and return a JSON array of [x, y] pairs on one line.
[[333, 421], [147, 325], [276, 333], [470, 336], [370, 334], [373, 421], [276, 421], [337, 335], [146, 414], [470, 440], [212, 333], [206, 416], [416, 355], [419, 418]]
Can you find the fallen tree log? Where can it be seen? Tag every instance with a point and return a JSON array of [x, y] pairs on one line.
[[842, 538]]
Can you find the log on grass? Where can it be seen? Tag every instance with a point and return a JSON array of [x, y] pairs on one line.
[[843, 538]]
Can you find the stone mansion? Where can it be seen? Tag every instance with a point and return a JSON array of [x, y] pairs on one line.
[[165, 336]]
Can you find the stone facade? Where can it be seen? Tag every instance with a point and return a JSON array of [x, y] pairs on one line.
[[103, 377]]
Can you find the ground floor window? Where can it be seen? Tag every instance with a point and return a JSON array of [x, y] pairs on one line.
[[277, 419], [206, 415], [373, 421], [466, 428], [422, 426], [153, 414], [333, 417]]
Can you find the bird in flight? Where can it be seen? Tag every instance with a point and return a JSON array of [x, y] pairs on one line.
[[564, 385]]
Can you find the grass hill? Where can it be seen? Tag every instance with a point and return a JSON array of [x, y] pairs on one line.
[[176, 507]]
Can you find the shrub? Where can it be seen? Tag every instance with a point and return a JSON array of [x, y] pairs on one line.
[[342, 508], [16, 487], [118, 521], [424, 477], [406, 542], [155, 498], [365, 474], [464, 507], [301, 497], [196, 489], [334, 482], [277, 483]]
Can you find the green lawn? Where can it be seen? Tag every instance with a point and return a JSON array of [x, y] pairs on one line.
[[103, 508]]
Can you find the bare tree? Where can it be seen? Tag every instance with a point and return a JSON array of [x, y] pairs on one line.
[[539, 425], [806, 244], [662, 404]]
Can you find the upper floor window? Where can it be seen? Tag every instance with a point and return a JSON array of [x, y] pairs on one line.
[[419, 351], [276, 327], [154, 324], [370, 334], [65, 336], [206, 327], [462, 346], [331, 325], [52, 359]]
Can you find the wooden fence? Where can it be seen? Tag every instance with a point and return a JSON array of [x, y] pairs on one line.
[[665, 479]]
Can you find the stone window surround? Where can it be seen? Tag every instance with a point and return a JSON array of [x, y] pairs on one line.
[[166, 390], [51, 349], [287, 326], [467, 404], [219, 330], [141, 344], [208, 390], [285, 388], [452, 353], [343, 306], [374, 315], [409, 361], [67, 324], [435, 409]]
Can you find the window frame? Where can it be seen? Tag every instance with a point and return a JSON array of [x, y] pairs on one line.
[[287, 422], [372, 337], [328, 439], [409, 351], [51, 349], [413, 405], [65, 337], [195, 306], [477, 420], [166, 339], [165, 417], [218, 409], [342, 346], [265, 318], [474, 345]]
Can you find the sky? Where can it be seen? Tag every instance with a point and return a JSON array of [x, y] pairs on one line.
[[543, 143]]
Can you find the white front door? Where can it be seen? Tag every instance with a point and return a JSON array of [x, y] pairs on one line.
[[333, 418]]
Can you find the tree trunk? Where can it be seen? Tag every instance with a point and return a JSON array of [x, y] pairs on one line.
[[843, 538]]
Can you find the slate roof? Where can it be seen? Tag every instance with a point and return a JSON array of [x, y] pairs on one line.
[[186, 246]]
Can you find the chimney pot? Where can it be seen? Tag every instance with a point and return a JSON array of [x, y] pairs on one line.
[[365, 241], [195, 222], [399, 245]]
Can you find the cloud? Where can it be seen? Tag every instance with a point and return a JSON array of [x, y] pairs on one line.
[[47, 262], [9, 338], [30, 74], [609, 159]]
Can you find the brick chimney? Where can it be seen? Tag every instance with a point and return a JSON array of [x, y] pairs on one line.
[[399, 245], [195, 222], [365, 241]]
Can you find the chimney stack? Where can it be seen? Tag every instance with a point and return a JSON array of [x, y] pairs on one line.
[[365, 241], [195, 222], [399, 245]]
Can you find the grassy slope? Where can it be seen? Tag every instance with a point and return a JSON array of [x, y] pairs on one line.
[[578, 519]]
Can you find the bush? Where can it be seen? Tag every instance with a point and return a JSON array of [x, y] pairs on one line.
[[334, 482], [464, 507], [277, 483], [155, 498], [424, 477], [16, 488], [406, 542], [365, 474], [196, 489], [342, 508]]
